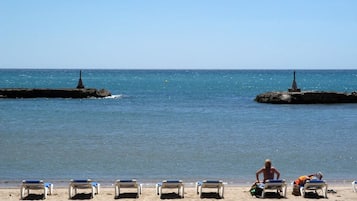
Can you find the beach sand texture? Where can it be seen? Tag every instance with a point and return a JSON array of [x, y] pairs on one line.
[[232, 193]]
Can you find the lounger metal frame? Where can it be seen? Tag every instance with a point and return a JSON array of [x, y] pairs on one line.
[[28, 185], [276, 185], [314, 185], [218, 184], [131, 183], [171, 184], [83, 184]]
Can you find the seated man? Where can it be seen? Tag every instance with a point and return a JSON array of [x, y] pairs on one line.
[[268, 172], [299, 182]]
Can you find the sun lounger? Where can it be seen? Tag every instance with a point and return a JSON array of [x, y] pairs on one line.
[[170, 184], [354, 186], [83, 184], [131, 183], [275, 185], [28, 185], [218, 184], [314, 185]]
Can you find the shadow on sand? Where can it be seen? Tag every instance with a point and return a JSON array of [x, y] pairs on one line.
[[35, 197], [211, 195], [82, 196], [127, 195], [170, 196]]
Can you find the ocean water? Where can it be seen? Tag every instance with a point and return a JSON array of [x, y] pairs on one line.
[[175, 124]]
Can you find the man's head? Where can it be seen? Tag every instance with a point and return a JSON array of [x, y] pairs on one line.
[[319, 175], [268, 163]]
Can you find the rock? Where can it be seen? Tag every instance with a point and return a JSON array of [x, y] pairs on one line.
[[53, 93], [306, 97]]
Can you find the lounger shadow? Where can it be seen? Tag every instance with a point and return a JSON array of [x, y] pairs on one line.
[[82, 196]]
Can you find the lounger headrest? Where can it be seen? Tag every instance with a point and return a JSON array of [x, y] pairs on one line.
[[81, 180], [32, 181], [274, 181], [212, 181], [127, 180]]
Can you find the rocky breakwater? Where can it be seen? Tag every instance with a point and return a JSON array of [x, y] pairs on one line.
[[79, 92], [306, 97], [53, 93]]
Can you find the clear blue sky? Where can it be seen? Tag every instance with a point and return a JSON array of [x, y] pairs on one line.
[[176, 34]]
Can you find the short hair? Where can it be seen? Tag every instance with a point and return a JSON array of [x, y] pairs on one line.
[[267, 162]]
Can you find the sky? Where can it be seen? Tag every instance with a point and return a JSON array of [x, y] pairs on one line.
[[178, 34]]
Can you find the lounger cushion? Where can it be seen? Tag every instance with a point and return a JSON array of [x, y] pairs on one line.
[[32, 181]]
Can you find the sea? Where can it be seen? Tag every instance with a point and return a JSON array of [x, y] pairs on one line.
[[175, 124]]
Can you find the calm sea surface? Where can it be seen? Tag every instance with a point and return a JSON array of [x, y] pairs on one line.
[[168, 124]]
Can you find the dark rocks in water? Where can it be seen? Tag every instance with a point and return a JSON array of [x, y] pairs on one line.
[[53, 93], [306, 97]]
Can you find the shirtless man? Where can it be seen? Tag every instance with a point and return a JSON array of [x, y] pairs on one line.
[[268, 172]]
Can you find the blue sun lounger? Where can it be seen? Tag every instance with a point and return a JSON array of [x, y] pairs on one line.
[[130, 183], [314, 185], [218, 184], [28, 185], [83, 184], [170, 184], [275, 185]]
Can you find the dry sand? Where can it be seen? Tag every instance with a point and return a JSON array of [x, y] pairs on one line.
[[232, 193]]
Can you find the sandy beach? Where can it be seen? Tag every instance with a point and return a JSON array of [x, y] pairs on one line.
[[232, 193]]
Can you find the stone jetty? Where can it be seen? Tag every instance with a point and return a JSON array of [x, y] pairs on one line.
[[79, 92], [306, 97], [294, 95]]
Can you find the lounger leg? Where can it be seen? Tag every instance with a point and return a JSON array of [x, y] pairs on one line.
[[51, 189], [284, 191], [324, 190], [200, 191], [22, 192], [222, 191], [354, 186], [70, 192], [45, 193], [116, 191], [98, 188], [93, 191], [183, 191], [157, 189], [302, 191]]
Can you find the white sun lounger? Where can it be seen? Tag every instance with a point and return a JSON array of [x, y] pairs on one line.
[[218, 184], [170, 184], [131, 183], [275, 185], [314, 185], [83, 184], [28, 185], [354, 186]]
